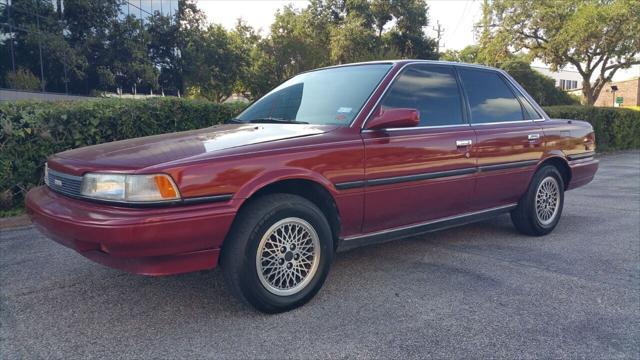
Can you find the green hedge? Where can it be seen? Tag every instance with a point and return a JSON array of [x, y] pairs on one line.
[[30, 131], [616, 128]]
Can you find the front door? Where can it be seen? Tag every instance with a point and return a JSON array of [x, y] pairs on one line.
[[414, 175], [509, 142]]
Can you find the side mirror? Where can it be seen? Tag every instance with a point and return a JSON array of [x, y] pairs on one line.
[[394, 118]]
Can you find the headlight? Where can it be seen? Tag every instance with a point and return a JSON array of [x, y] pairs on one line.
[[129, 188]]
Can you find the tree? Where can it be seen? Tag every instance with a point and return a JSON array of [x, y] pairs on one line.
[[190, 26], [95, 45], [164, 42], [542, 88], [494, 46], [299, 40], [89, 21], [215, 64], [38, 44], [87, 25], [257, 76], [127, 64], [353, 37], [408, 35], [381, 10], [22, 79], [467, 55], [353, 41], [598, 37]]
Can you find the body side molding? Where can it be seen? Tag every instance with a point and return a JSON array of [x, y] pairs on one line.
[[584, 155], [432, 175], [417, 177], [509, 165], [349, 185]]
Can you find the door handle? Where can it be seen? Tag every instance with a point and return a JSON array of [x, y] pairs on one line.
[[533, 136], [461, 143]]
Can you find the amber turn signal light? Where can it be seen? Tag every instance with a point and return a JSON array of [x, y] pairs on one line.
[[165, 187]]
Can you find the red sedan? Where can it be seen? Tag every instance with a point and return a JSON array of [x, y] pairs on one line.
[[331, 159]]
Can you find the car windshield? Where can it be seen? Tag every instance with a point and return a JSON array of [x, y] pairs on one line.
[[323, 97]]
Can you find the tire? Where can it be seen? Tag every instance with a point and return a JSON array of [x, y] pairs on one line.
[[541, 217], [268, 282]]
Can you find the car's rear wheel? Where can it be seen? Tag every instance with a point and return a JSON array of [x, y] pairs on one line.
[[278, 252], [539, 210]]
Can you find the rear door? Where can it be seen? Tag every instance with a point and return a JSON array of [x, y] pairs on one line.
[[418, 174], [509, 140]]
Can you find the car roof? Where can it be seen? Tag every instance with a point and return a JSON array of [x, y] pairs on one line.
[[403, 62]]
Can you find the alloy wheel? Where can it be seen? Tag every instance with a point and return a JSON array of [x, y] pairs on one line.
[[288, 256], [547, 200]]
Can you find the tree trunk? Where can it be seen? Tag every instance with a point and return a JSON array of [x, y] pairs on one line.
[[588, 91]]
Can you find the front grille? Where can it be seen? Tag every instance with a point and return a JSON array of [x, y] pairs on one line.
[[64, 183]]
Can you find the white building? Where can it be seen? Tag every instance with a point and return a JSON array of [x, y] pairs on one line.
[[566, 79]]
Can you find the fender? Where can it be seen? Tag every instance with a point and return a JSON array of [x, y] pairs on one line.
[[268, 178], [552, 155]]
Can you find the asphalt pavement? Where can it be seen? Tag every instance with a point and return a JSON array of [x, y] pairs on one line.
[[479, 291]]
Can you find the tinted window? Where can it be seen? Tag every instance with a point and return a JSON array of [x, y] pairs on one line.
[[529, 112], [432, 90], [489, 97], [329, 96]]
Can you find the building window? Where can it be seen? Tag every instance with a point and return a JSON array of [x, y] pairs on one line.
[[568, 84]]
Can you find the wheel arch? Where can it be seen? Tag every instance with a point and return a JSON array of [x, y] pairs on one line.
[[562, 165], [307, 188]]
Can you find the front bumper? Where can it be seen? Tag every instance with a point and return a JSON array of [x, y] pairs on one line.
[[157, 241]]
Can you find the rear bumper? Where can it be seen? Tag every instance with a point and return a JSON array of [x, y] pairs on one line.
[[582, 172], [158, 241]]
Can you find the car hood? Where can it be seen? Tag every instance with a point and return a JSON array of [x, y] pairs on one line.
[[143, 152]]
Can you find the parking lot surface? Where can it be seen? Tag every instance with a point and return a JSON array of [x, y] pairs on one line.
[[478, 291]]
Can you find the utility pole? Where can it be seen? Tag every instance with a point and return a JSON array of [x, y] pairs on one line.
[[439, 31], [40, 46], [11, 36]]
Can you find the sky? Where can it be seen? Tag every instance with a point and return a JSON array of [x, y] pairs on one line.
[[456, 17]]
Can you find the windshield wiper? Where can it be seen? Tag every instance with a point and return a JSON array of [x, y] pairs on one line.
[[274, 120], [264, 120]]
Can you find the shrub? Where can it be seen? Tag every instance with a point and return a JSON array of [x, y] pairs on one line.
[[22, 79], [616, 128], [30, 131]]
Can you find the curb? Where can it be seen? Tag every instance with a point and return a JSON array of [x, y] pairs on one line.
[[14, 222]]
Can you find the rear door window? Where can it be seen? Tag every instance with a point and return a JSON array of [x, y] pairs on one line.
[[529, 112], [490, 99], [432, 90]]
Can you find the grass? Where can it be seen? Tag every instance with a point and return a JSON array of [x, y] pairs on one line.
[[16, 211]]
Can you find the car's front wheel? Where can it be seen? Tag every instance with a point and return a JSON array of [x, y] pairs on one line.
[[278, 252], [539, 210]]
